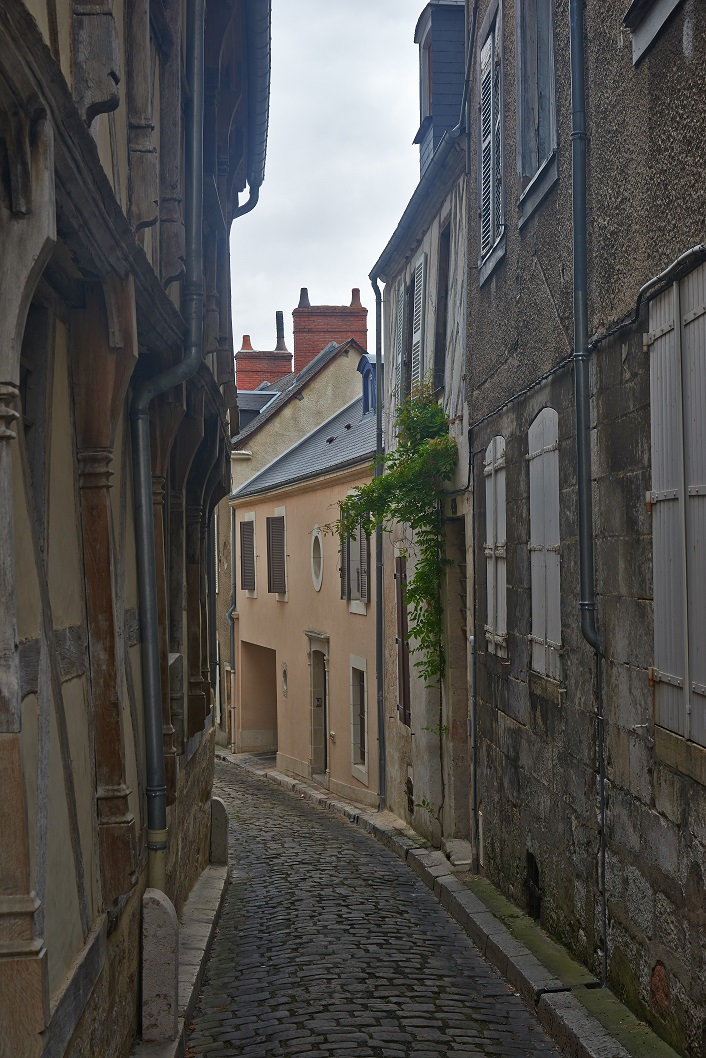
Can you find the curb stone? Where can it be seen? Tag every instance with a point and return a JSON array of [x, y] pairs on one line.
[[570, 1025]]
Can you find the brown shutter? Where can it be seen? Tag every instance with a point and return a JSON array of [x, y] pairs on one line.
[[247, 556], [276, 581], [364, 540], [343, 569], [403, 705]]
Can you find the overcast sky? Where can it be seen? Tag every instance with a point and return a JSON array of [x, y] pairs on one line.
[[341, 165]]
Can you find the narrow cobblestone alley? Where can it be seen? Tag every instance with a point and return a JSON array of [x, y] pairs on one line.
[[328, 945]]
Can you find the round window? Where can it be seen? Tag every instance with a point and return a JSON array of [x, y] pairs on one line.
[[317, 559]]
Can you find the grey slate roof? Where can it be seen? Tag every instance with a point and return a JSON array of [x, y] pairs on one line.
[[297, 383], [254, 399], [347, 438]]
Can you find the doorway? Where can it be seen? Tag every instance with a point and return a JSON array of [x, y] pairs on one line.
[[319, 705]]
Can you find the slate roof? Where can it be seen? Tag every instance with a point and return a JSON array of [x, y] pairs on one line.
[[297, 383], [347, 438], [254, 399]]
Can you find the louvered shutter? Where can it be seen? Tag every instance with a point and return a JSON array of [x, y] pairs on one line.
[[403, 689], [364, 543], [398, 340], [276, 577], [417, 370], [247, 556], [497, 137], [677, 342], [486, 146], [543, 456], [343, 567], [495, 546]]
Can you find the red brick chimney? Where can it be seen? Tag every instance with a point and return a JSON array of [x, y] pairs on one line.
[[255, 366], [317, 325]]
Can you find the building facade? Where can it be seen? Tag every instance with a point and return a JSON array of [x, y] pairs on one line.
[[116, 396]]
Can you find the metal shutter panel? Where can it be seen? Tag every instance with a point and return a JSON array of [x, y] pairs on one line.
[[276, 579], [247, 556], [667, 513]]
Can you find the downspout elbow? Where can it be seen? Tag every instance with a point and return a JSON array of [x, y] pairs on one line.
[[250, 204]]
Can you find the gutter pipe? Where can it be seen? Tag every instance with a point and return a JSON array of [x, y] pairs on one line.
[[142, 458], [587, 603], [378, 544]]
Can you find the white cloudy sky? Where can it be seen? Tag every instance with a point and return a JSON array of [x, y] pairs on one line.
[[341, 165]]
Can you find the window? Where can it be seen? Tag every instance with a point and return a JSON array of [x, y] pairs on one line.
[[543, 456], [442, 307], [317, 558], [644, 19], [247, 553], [276, 555], [491, 164], [495, 547], [536, 127], [403, 689], [355, 570], [425, 82], [417, 328], [359, 725], [677, 342], [398, 341]]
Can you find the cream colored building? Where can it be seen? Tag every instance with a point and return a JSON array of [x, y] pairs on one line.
[[304, 630]]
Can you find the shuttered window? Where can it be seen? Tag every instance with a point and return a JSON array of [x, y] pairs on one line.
[[399, 340], [496, 547], [403, 696], [677, 342], [247, 556], [543, 456], [355, 567], [419, 295], [491, 198], [537, 124], [276, 559]]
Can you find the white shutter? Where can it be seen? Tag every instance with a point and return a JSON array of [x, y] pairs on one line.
[[398, 338], [486, 146], [543, 456], [418, 320], [495, 546], [668, 513]]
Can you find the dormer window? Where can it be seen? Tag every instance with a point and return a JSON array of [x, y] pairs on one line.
[[425, 78]]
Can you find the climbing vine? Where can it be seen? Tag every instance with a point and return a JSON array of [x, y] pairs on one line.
[[410, 491]]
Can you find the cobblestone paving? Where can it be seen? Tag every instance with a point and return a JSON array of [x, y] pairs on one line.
[[329, 946]]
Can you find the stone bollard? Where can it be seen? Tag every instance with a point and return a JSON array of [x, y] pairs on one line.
[[160, 967], [219, 833]]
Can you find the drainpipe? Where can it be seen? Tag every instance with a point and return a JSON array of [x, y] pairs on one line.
[[587, 603], [378, 542], [231, 629], [142, 458]]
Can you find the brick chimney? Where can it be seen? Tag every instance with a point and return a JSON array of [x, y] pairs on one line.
[[255, 366], [317, 325]]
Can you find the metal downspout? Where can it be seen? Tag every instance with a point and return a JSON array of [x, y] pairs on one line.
[[587, 603], [142, 459], [378, 544], [231, 628]]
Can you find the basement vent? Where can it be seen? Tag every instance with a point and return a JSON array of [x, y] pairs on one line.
[[534, 891]]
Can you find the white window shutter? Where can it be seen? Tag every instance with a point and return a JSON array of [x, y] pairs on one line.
[[418, 319], [495, 546], [543, 456]]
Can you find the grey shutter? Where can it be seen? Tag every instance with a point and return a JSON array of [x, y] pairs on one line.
[[543, 456], [343, 569], [495, 546], [247, 556], [403, 688], [677, 342], [398, 341], [486, 146], [276, 579], [364, 541], [497, 136], [418, 320]]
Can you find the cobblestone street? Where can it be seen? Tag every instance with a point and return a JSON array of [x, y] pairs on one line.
[[328, 945]]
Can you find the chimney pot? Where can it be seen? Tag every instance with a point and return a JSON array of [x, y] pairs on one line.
[[281, 346], [355, 298], [246, 346], [304, 299]]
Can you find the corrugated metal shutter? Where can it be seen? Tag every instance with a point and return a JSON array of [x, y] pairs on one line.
[[398, 340], [543, 456], [677, 341], [496, 546], [418, 319], [276, 577], [247, 556], [403, 689]]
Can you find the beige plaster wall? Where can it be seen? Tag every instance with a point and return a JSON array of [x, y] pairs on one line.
[[281, 624]]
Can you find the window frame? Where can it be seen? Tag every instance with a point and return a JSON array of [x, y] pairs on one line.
[[248, 519], [277, 574], [645, 20], [404, 710], [441, 322], [489, 256], [544, 544], [537, 183], [495, 547], [359, 748], [317, 578], [358, 598]]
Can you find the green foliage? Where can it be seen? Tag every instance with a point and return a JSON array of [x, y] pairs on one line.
[[409, 490]]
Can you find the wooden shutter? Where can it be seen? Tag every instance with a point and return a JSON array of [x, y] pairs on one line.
[[403, 704], [677, 341], [495, 546], [486, 146], [364, 542], [398, 341], [276, 578], [543, 456], [497, 136], [247, 556], [343, 567], [417, 370]]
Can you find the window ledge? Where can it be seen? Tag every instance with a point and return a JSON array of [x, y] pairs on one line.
[[545, 687], [360, 772], [538, 188], [644, 19], [487, 266], [683, 756], [356, 606]]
